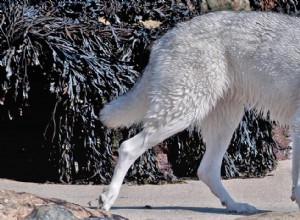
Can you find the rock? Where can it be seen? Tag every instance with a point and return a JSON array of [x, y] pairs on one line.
[[14, 205], [215, 5], [283, 142], [49, 212]]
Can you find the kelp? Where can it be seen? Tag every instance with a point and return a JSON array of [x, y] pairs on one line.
[[62, 61]]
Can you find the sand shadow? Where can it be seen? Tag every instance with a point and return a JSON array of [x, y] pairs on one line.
[[221, 211]]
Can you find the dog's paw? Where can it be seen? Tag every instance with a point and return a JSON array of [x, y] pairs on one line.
[[107, 199], [241, 208]]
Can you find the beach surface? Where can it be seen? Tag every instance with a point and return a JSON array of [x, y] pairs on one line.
[[189, 201]]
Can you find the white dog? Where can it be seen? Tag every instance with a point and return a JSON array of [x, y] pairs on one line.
[[202, 74]]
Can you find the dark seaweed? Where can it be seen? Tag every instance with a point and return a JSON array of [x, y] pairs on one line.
[[61, 61]]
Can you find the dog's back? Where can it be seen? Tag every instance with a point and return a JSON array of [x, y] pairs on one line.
[[254, 56]]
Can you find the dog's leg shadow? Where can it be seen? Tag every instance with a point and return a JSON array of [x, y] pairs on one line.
[[221, 211]]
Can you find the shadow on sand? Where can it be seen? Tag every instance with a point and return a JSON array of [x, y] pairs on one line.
[[221, 211]]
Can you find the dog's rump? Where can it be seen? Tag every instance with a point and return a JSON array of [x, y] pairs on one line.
[[199, 61], [235, 52]]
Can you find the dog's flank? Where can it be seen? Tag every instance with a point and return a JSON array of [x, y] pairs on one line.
[[202, 74]]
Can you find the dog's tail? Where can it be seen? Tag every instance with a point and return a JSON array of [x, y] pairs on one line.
[[127, 109]]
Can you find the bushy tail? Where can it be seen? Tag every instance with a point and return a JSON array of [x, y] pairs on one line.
[[127, 109]]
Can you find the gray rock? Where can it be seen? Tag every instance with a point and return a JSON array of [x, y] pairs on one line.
[[14, 205], [50, 212]]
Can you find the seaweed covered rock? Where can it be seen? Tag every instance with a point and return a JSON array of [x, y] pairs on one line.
[[290, 7], [61, 61]]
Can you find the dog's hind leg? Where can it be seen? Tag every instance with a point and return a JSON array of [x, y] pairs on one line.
[[217, 130], [296, 157], [130, 150]]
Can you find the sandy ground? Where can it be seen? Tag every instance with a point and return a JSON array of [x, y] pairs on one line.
[[189, 201]]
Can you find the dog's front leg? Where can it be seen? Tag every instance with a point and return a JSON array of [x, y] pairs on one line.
[[296, 157], [209, 173], [217, 130]]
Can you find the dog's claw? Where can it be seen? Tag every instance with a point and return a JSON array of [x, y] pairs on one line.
[[100, 203], [241, 208]]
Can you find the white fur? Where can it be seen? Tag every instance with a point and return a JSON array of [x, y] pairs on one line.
[[202, 74]]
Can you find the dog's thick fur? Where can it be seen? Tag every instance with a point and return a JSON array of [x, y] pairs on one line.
[[202, 74]]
